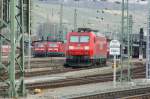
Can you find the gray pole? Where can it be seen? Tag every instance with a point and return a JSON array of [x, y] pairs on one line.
[[1, 17], [29, 33], [76, 15], [52, 12], [148, 45], [122, 32], [61, 22], [129, 47], [75, 19], [141, 44], [12, 90], [128, 42]]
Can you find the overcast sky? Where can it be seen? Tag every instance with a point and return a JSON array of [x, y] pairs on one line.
[[132, 1]]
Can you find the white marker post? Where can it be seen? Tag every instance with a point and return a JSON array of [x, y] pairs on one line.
[[114, 50], [114, 75]]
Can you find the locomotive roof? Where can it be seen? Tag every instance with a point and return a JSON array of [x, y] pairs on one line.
[[86, 30], [99, 34], [39, 41]]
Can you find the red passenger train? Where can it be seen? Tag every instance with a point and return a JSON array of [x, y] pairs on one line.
[[48, 48], [39, 48], [55, 48], [85, 48]]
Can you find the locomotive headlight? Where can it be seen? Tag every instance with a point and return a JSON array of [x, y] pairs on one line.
[[86, 47], [71, 47], [55, 49]]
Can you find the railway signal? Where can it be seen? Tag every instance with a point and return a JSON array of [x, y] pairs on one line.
[[114, 50]]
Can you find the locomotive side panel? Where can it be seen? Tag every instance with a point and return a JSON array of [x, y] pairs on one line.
[[100, 50], [101, 47]]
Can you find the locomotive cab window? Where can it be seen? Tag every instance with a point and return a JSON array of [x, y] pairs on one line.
[[84, 39], [81, 39], [53, 45], [74, 39], [39, 45]]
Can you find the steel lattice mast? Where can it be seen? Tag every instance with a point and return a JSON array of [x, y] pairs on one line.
[[124, 33], [130, 23], [14, 18], [76, 15], [60, 35], [1, 17]]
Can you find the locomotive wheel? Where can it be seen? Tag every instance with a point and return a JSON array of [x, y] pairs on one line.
[[98, 62], [66, 65], [34, 56]]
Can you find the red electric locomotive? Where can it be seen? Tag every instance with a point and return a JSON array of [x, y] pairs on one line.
[[39, 48], [84, 48], [55, 49], [5, 50]]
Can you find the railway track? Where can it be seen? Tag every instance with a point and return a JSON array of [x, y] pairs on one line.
[[45, 71], [140, 96], [50, 71], [60, 69], [137, 72], [137, 93], [44, 67], [79, 81], [83, 80], [41, 62]]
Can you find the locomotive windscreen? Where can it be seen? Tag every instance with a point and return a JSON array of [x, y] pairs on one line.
[[81, 39], [39, 45], [74, 39], [53, 45], [84, 39]]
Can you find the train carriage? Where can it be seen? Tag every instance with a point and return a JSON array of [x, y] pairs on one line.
[[84, 48]]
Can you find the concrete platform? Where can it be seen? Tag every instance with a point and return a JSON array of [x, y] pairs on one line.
[[89, 89]]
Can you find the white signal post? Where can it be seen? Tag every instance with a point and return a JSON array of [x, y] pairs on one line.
[[114, 50], [114, 74]]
